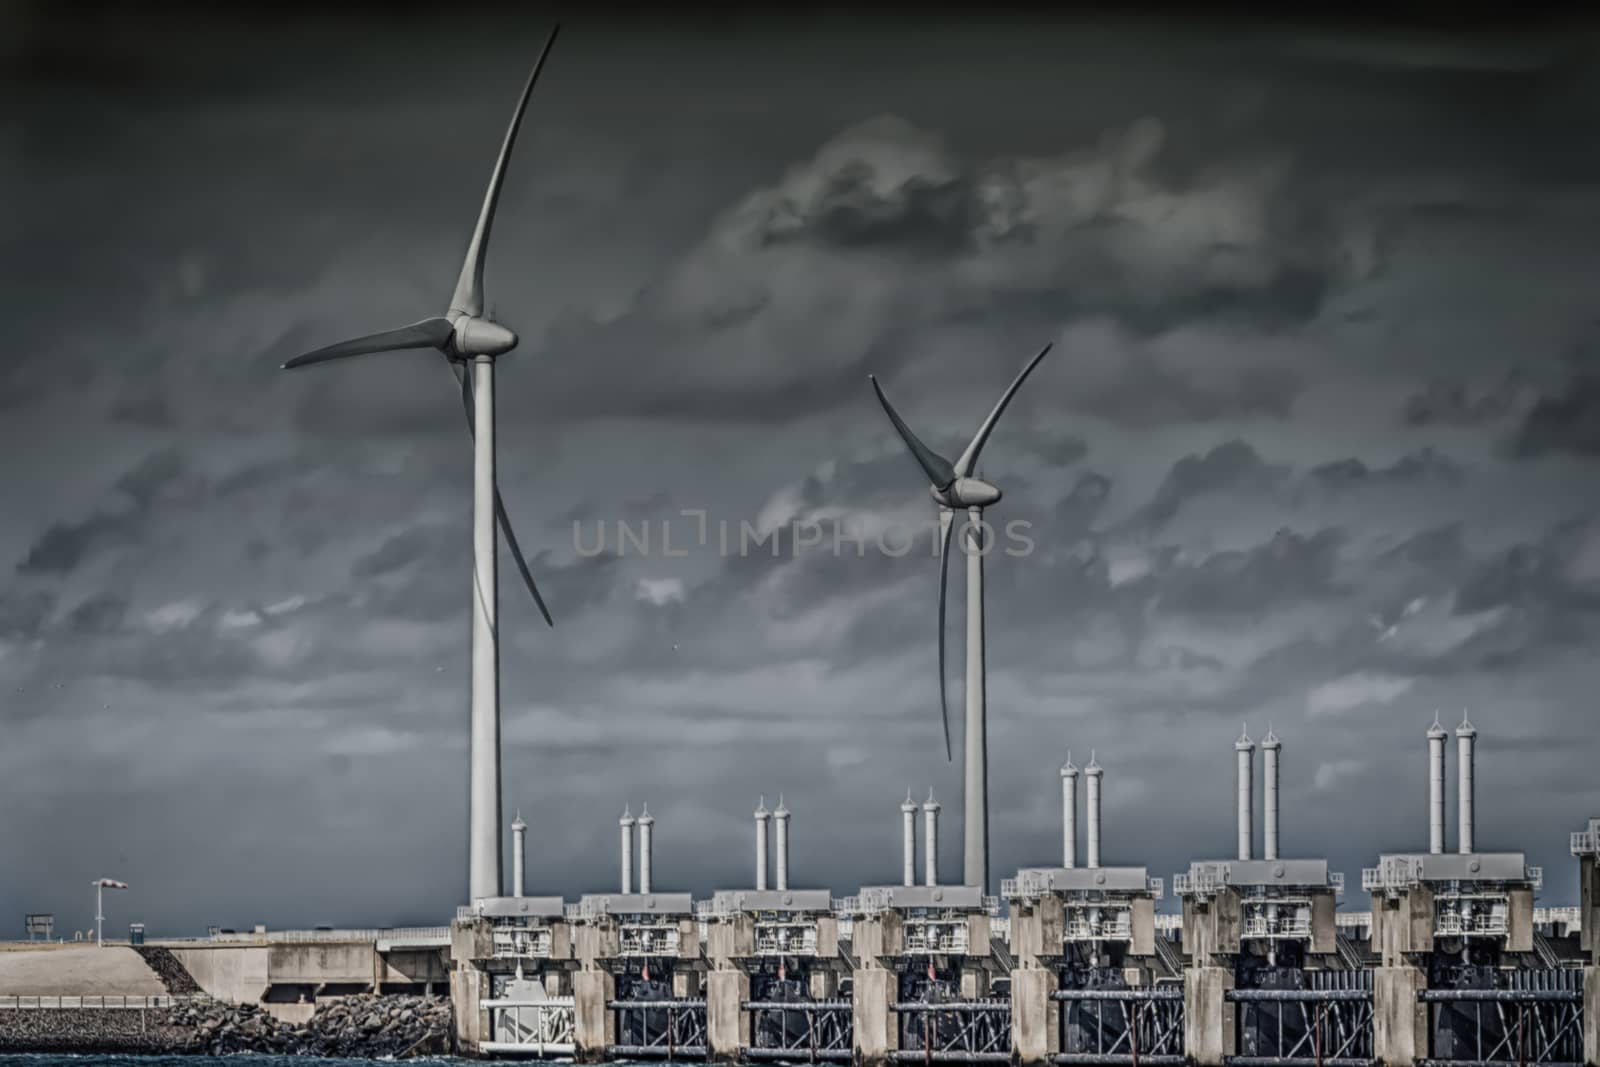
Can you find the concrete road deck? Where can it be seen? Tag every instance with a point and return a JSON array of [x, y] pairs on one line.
[[111, 971]]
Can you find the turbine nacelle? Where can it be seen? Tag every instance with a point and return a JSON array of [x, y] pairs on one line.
[[475, 336], [966, 493]]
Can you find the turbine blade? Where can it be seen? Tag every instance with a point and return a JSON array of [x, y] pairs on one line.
[[937, 468], [502, 517], [516, 554], [946, 524], [970, 456], [468, 298], [429, 333]]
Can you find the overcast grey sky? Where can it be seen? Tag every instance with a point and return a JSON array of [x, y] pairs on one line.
[[1316, 445]]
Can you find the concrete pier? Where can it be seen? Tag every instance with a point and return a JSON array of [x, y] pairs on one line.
[[1210, 1031], [1399, 1018], [1035, 1017]]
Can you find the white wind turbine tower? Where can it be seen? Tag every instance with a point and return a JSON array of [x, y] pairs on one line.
[[470, 341], [954, 486]]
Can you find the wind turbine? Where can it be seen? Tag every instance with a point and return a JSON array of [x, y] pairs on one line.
[[470, 341], [955, 486]]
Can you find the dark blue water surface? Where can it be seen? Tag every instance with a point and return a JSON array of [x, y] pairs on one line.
[[46, 1059]]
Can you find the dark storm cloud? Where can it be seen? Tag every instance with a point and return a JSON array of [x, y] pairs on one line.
[[1289, 568], [1422, 465], [23, 614], [1455, 404], [1230, 467], [66, 545], [1566, 422]]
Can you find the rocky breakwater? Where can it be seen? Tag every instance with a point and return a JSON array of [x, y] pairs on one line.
[[359, 1026]]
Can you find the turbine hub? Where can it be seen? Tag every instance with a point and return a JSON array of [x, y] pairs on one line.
[[967, 493], [476, 336]]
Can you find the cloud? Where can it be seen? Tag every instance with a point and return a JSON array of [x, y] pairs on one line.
[[855, 256], [1444, 403], [1566, 422], [1233, 467], [64, 546], [1354, 691]]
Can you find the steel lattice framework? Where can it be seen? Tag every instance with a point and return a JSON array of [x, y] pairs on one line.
[[1121, 1026], [811, 1031], [1539, 1023], [660, 1029], [954, 1031], [1304, 1027]]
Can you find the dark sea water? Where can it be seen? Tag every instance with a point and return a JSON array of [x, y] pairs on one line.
[[47, 1059]]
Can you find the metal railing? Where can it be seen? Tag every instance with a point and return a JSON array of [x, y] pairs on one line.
[[1472, 924], [1285, 926], [516, 942], [113, 1002], [1115, 927], [647, 940], [936, 935], [786, 938], [397, 935]]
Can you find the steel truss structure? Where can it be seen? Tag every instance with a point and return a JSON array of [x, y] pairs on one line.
[[1121, 1026], [809, 1031], [1537, 1021], [672, 1029], [1328, 1027], [954, 1031], [531, 1027]]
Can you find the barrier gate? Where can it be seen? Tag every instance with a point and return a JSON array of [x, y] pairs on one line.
[[1536, 1018], [1326, 1024], [652, 1024], [1113, 1026], [954, 1031], [809, 1031], [531, 1027]]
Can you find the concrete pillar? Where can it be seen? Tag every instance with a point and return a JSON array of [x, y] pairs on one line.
[[1245, 748], [686, 982], [626, 825], [1270, 747], [519, 833], [727, 1024], [1466, 739], [1436, 737], [930, 844], [646, 849], [781, 817], [469, 987], [1591, 1016], [1035, 1018], [823, 983], [1589, 906], [1069, 814], [1399, 1019], [761, 845], [877, 1034], [1092, 775], [974, 981], [594, 1026], [908, 840], [1210, 1032]]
